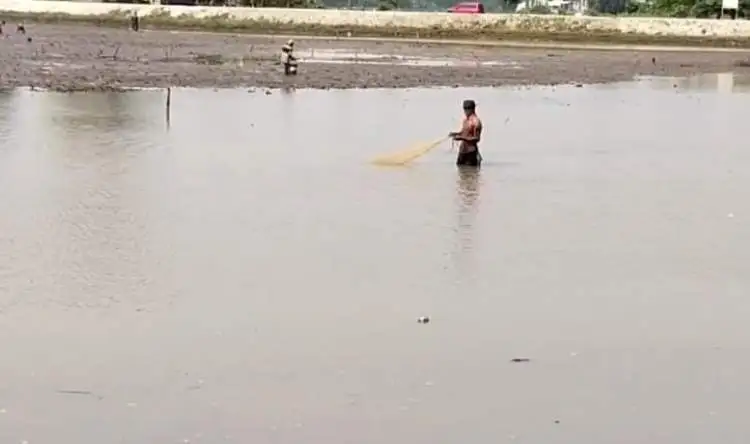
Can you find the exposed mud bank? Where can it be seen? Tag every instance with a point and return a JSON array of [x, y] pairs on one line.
[[73, 58]]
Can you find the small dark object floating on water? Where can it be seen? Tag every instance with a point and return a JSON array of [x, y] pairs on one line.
[[75, 392], [423, 320], [520, 360]]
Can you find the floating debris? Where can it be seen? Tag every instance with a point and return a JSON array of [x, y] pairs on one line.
[[423, 320], [80, 393], [520, 360], [75, 392]]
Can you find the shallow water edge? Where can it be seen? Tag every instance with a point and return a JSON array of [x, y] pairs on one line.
[[726, 82]]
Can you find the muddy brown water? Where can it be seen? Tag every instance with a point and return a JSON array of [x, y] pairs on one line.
[[247, 276]]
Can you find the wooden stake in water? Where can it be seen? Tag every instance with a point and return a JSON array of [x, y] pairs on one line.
[[169, 104]]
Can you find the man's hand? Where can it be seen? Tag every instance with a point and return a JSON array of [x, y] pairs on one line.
[[454, 135]]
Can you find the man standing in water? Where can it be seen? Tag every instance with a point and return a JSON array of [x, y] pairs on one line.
[[287, 58], [469, 136]]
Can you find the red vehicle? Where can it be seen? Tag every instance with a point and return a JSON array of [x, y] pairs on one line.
[[467, 8]]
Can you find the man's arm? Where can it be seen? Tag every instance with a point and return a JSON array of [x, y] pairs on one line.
[[475, 131], [456, 135]]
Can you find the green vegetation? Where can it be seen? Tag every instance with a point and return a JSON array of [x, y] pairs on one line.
[[387, 5], [685, 8], [538, 9]]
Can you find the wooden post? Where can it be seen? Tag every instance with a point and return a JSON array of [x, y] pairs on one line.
[[169, 105]]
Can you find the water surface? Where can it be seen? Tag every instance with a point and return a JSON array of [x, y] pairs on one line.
[[247, 276]]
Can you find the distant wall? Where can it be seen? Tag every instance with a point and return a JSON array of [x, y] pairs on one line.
[[416, 20]]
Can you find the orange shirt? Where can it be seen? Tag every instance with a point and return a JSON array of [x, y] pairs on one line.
[[470, 128]]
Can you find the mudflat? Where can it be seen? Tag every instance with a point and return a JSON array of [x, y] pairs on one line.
[[84, 57]]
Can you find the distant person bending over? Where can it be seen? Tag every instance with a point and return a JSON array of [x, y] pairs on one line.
[[469, 137], [288, 59]]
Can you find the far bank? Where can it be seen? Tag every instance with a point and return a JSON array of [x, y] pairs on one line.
[[392, 24]]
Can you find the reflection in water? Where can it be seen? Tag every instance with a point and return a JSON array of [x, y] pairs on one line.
[[726, 82], [98, 131], [467, 199], [82, 119], [94, 111], [85, 156], [7, 113]]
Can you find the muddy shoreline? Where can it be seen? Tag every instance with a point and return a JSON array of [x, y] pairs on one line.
[[66, 57]]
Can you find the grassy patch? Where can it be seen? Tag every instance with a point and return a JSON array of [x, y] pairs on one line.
[[553, 30]]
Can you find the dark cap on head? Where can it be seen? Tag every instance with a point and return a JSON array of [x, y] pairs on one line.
[[469, 104]]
